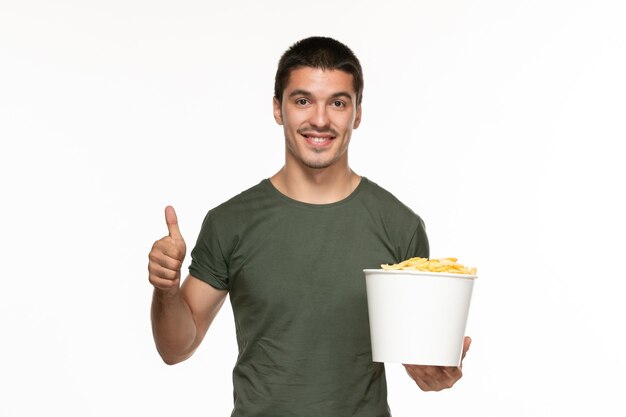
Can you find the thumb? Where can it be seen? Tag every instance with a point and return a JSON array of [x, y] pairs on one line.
[[466, 345], [172, 223]]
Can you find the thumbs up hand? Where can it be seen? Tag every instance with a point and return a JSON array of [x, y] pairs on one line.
[[167, 256]]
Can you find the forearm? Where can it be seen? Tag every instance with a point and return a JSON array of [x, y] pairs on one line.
[[173, 326]]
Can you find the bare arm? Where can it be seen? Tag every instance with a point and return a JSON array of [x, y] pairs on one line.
[[180, 316], [180, 319]]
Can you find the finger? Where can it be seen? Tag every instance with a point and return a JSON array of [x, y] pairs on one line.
[[449, 377], [424, 386], [172, 223], [157, 271], [429, 375], [434, 374], [167, 262], [164, 284], [423, 372], [453, 374], [417, 376], [466, 345], [173, 250], [436, 378], [167, 246]]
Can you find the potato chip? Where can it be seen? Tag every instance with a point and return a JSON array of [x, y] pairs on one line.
[[449, 265]]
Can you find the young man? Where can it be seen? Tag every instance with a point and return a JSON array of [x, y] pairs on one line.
[[290, 252]]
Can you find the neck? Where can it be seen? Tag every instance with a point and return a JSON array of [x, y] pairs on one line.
[[316, 186]]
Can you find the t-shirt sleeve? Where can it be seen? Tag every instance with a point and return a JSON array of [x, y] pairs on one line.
[[418, 245], [208, 262]]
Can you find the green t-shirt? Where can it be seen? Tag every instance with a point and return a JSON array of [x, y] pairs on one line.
[[294, 272]]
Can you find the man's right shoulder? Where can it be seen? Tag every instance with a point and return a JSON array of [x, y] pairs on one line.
[[243, 203]]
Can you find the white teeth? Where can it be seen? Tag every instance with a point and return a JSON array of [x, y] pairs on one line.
[[317, 140]]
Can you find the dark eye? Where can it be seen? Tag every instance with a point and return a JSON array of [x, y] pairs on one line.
[[302, 101], [338, 103]]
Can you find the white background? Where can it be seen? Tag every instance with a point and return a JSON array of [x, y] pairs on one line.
[[499, 122]]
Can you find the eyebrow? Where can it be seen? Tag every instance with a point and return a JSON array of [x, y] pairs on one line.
[[300, 92]]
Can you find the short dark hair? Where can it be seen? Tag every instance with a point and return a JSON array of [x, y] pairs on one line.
[[318, 52]]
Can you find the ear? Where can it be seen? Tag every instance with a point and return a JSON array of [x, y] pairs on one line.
[[357, 118], [278, 114]]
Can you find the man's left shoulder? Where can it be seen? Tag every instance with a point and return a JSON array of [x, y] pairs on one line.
[[383, 198]]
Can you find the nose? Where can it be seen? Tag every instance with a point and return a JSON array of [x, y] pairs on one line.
[[319, 117]]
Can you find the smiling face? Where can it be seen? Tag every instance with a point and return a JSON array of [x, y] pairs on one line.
[[318, 112]]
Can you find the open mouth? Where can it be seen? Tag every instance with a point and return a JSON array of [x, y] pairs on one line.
[[317, 139]]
